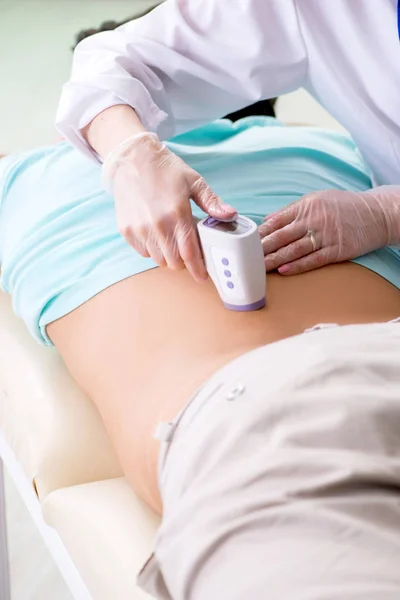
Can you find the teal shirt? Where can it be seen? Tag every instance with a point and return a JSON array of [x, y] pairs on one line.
[[59, 243]]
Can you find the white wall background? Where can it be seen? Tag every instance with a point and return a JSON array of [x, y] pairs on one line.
[[35, 59]]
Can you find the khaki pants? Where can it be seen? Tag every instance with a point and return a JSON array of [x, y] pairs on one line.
[[281, 479]]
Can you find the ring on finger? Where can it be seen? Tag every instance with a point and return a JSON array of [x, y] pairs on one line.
[[311, 235]]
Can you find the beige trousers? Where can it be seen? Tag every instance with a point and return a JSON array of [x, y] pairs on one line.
[[281, 478]]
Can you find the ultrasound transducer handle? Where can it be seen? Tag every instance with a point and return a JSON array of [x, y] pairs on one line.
[[234, 259]]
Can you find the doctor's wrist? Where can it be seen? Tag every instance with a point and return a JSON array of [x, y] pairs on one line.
[[112, 127], [134, 152], [388, 198]]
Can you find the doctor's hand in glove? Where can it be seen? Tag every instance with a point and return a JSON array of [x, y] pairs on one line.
[[330, 227], [152, 189]]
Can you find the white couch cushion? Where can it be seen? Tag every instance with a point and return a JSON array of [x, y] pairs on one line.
[[52, 427], [109, 533]]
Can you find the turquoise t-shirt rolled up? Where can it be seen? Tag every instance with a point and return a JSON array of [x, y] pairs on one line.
[[59, 243]]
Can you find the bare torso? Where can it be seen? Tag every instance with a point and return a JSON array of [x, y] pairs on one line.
[[142, 347]]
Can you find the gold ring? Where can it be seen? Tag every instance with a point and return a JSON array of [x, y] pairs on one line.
[[311, 235]]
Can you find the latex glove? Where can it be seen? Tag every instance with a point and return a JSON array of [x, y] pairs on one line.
[[152, 189], [330, 227]]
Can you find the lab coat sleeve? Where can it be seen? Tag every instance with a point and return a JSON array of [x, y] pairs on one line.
[[185, 64]]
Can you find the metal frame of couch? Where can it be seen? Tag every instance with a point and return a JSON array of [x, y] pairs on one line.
[[50, 537]]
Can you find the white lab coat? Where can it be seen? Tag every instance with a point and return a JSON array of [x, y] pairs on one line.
[[191, 61]]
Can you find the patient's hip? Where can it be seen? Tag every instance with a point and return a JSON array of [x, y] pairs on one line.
[[281, 476]]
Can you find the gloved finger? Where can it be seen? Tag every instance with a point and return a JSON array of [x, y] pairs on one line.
[[189, 250], [170, 251], [209, 202], [315, 260], [167, 232], [196, 220], [135, 242], [289, 253], [278, 220], [155, 252], [283, 237]]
